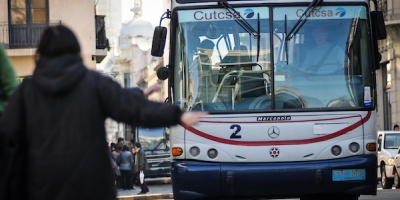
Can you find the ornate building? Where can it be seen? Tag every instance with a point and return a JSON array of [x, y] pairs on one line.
[[388, 75], [129, 60], [23, 21]]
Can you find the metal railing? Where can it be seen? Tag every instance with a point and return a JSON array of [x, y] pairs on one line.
[[101, 39], [28, 36], [22, 36]]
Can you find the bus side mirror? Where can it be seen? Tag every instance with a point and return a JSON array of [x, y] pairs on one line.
[[379, 21], [163, 73], [159, 40]]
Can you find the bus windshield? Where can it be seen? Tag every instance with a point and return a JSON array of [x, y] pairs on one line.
[[326, 64]]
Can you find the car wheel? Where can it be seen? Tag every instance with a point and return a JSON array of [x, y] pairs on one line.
[[396, 180], [385, 181]]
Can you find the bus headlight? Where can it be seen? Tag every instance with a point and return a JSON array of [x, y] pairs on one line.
[[194, 151], [212, 153], [354, 147], [336, 150]]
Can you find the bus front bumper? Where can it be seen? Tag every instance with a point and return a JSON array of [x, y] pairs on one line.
[[197, 180]]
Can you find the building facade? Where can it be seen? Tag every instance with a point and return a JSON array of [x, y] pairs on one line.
[[129, 60], [23, 21], [388, 75]]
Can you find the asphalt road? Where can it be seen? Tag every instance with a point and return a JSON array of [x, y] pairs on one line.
[[161, 189]]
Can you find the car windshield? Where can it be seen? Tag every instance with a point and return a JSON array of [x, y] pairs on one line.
[[220, 66], [392, 141]]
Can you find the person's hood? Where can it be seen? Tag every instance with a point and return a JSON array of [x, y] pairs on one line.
[[58, 75]]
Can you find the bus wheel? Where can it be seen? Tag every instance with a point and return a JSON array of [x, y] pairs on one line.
[[396, 180], [385, 181]]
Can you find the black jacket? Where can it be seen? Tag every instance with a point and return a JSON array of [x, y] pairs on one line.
[[60, 115], [141, 164]]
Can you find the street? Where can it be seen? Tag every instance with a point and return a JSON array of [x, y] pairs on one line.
[[162, 187]]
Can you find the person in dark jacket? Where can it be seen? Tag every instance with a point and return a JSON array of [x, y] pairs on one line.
[[62, 107], [141, 166]]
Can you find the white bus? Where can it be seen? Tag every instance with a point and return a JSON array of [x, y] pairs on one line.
[[290, 88]]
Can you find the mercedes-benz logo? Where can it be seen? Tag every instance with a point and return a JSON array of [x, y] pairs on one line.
[[273, 132]]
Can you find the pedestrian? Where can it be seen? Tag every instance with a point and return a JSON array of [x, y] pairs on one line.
[[114, 167], [118, 179], [8, 79], [59, 116], [125, 162], [133, 166], [396, 127], [121, 141], [112, 146], [141, 167], [8, 83]]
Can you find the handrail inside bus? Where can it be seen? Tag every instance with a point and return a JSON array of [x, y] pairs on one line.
[[240, 73]]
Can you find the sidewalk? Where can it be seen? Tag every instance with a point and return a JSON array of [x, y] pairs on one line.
[[159, 189]]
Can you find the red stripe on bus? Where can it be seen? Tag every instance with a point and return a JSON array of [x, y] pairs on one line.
[[277, 122], [282, 142]]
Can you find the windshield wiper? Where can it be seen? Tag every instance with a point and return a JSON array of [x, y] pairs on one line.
[[302, 19], [239, 19], [243, 23]]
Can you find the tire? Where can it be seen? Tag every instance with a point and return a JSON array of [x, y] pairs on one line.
[[385, 181], [396, 180]]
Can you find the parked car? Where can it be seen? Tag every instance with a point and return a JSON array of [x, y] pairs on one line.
[[397, 169], [388, 145]]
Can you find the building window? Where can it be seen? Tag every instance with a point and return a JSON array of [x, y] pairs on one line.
[[27, 21], [127, 80]]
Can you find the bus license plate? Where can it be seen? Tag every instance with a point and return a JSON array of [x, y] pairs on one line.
[[348, 175]]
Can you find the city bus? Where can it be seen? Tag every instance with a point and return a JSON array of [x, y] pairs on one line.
[[290, 91]]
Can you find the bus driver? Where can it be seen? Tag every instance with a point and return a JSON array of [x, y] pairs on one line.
[[324, 57]]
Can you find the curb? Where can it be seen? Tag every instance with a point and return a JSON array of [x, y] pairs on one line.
[[147, 196]]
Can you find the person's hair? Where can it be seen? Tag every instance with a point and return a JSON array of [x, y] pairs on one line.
[[112, 145], [395, 126], [120, 139], [137, 144], [125, 148], [118, 146], [56, 41]]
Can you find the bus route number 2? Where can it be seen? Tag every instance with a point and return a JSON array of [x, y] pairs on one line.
[[235, 134]]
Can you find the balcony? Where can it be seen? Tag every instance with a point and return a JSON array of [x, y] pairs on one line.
[[22, 36], [101, 40]]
